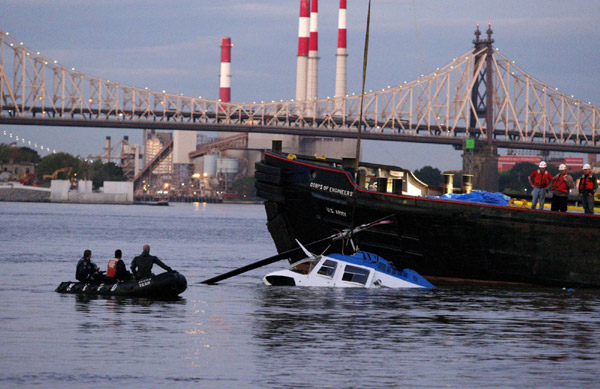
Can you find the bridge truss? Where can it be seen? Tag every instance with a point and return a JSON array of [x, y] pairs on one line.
[[434, 108]]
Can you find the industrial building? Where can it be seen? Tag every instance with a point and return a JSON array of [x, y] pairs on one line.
[[183, 164]]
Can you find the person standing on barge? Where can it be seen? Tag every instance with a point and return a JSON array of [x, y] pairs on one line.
[[587, 187], [561, 184], [540, 181]]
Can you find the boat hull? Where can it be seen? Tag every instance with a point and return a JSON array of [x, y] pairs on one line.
[[164, 285], [440, 239]]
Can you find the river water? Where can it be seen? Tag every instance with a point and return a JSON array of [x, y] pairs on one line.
[[242, 333]]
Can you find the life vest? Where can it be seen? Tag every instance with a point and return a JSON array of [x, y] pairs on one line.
[[559, 184], [540, 180], [586, 183], [112, 267]]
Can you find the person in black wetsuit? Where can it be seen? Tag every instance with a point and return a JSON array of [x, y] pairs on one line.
[[141, 266], [86, 270]]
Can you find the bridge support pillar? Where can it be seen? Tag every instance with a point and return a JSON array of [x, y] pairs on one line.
[[484, 167]]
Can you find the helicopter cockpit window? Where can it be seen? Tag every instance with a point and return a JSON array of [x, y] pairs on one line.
[[327, 269], [304, 266]]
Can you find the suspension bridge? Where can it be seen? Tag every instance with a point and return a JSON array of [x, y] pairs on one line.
[[480, 95]]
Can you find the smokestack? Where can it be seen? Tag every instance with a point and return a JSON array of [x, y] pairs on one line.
[[303, 38], [341, 54], [313, 52], [225, 75], [107, 149]]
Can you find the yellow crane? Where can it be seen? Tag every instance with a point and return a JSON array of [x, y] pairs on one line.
[[55, 173]]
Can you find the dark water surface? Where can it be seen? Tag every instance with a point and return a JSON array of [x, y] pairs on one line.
[[244, 334]]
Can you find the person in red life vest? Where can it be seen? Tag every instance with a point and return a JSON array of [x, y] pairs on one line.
[[561, 184], [540, 182], [116, 269], [141, 266], [587, 187]]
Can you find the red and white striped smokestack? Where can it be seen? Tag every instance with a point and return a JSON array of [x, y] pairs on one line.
[[341, 54], [303, 38], [313, 52], [225, 75]]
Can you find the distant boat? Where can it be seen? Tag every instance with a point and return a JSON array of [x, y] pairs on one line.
[[361, 270], [160, 202], [164, 285], [309, 198]]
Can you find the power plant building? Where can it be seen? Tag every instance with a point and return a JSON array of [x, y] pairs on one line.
[[192, 160]]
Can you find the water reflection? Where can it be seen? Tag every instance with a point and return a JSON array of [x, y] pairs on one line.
[[84, 300], [424, 331], [103, 312]]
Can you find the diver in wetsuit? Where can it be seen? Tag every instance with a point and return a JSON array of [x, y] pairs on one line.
[[141, 266], [86, 270]]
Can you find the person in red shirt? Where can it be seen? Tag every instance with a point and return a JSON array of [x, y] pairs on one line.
[[561, 184], [540, 181], [588, 185]]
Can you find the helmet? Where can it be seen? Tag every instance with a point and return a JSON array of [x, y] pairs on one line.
[[586, 166], [562, 167], [542, 164]]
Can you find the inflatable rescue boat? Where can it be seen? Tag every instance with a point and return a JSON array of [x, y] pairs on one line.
[[164, 285]]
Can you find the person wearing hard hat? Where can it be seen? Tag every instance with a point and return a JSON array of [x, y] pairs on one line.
[[587, 187], [540, 182], [561, 184]]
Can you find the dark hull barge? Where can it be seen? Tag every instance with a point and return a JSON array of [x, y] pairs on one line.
[[309, 198], [162, 286]]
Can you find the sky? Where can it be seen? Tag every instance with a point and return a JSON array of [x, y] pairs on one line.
[[174, 46]]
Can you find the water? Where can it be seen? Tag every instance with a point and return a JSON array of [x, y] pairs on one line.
[[244, 334]]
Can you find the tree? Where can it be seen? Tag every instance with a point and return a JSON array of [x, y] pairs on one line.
[[515, 179], [97, 171], [16, 154], [29, 155], [50, 163], [244, 187], [7, 153], [429, 175], [100, 172]]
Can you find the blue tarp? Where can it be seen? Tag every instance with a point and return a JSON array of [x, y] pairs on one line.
[[482, 197]]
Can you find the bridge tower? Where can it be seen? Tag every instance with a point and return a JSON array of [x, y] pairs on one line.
[[483, 163]]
